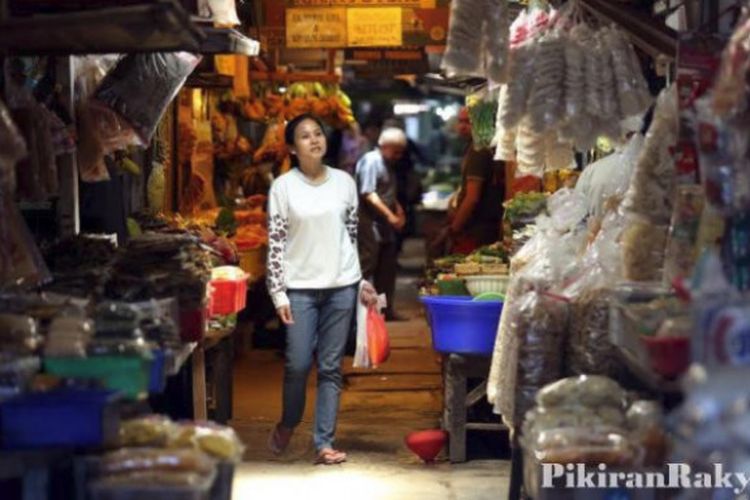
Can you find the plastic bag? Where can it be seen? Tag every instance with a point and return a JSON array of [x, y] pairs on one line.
[[651, 189], [68, 337], [584, 390], [520, 81], [218, 441], [361, 353], [12, 149], [131, 460], [222, 12], [545, 104], [530, 150], [141, 87], [378, 344], [496, 32], [21, 263], [151, 430], [463, 54]]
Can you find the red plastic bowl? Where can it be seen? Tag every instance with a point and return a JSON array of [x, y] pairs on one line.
[[670, 356], [426, 444]]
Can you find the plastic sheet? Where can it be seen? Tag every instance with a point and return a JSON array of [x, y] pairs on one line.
[[141, 87], [12, 149], [463, 54]]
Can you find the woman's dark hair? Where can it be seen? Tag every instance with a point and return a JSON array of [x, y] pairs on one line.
[[294, 123]]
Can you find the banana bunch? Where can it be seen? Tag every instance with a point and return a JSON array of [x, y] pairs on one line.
[[327, 102]]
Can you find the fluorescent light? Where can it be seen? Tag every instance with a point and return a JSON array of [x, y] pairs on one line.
[[409, 108]]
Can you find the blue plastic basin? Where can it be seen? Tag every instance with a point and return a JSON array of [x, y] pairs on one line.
[[462, 326], [59, 418]]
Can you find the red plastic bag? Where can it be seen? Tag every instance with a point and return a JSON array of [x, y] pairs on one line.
[[378, 345]]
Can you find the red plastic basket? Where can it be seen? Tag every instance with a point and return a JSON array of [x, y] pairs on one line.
[[228, 291]]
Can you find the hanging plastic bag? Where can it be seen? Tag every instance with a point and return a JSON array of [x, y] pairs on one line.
[[362, 353], [222, 12], [464, 48], [142, 85], [378, 344]]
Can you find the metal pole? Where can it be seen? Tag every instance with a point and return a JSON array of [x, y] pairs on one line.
[[68, 214]]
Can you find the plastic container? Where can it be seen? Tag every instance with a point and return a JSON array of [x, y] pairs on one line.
[[462, 326], [127, 374], [60, 418], [158, 375], [228, 290], [670, 356], [193, 323], [480, 284]]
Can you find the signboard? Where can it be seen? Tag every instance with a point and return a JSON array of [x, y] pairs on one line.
[[387, 61], [416, 4], [316, 27], [374, 27]]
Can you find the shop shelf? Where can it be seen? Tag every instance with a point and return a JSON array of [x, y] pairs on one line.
[[127, 374], [462, 326], [82, 418]]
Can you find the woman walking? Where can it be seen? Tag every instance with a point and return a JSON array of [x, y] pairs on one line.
[[313, 277]]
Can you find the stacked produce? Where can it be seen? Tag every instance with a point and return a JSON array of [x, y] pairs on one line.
[[447, 274], [168, 459], [329, 103], [568, 84], [161, 266], [588, 420], [79, 265]]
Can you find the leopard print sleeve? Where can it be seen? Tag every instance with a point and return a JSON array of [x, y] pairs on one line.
[[278, 233], [352, 213], [352, 223]]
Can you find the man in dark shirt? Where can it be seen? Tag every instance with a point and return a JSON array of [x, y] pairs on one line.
[[477, 219]]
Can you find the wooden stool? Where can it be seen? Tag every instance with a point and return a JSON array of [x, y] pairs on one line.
[[456, 370]]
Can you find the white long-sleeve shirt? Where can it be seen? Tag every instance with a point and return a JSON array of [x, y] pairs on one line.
[[312, 233]]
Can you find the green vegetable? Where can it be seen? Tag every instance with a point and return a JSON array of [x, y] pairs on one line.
[[134, 229], [489, 297], [225, 221]]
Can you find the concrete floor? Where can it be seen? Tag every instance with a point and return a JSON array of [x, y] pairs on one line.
[[378, 409]]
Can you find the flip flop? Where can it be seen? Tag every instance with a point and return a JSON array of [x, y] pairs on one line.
[[329, 456], [278, 440]]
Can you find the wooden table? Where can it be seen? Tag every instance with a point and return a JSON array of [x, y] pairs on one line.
[[200, 393], [457, 369]]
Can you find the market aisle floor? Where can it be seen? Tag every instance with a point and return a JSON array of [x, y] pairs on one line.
[[378, 408]]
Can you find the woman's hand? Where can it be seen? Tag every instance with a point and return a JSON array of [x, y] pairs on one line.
[[285, 315], [368, 296]]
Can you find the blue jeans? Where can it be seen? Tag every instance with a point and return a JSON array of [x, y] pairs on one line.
[[321, 324]]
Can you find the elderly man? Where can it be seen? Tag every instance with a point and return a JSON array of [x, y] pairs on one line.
[[380, 215]]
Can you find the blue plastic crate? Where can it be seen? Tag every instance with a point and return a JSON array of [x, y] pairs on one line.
[[158, 375], [463, 326], [60, 418]]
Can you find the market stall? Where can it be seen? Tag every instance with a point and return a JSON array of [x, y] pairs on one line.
[[94, 326]]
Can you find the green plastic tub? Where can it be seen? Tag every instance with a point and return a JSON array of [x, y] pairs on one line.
[[127, 374]]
